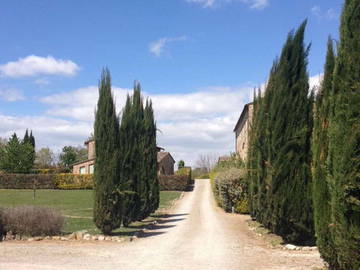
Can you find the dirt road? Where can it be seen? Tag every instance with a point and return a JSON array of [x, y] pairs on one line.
[[196, 235]]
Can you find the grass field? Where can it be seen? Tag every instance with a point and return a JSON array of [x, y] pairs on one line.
[[75, 205]]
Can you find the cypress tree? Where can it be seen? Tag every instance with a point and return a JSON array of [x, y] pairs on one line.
[[107, 185], [150, 160], [26, 138], [279, 165], [344, 141], [127, 165], [320, 147]]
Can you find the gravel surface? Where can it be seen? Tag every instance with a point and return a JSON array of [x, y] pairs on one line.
[[195, 235]]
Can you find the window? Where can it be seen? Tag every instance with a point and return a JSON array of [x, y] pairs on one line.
[[82, 170], [91, 168]]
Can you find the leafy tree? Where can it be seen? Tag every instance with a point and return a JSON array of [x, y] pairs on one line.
[[320, 147], [68, 157], [44, 158], [16, 157], [181, 164], [107, 185], [344, 142]]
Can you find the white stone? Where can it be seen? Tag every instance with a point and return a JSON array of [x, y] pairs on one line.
[[101, 238], [87, 236], [291, 247]]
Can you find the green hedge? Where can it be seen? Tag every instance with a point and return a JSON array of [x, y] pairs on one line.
[[68, 181], [46, 181], [174, 182], [231, 190]]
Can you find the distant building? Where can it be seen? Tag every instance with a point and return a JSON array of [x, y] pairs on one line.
[[223, 159], [242, 129], [165, 163], [164, 159], [86, 166]]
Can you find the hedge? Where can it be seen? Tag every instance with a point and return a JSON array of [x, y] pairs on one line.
[[174, 182], [46, 181], [67, 181]]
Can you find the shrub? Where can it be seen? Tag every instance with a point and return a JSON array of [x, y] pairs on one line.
[[32, 221], [231, 191], [2, 228], [184, 171], [174, 182], [73, 181], [27, 181]]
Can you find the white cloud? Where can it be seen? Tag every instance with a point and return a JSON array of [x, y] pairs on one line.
[[11, 95], [157, 47], [329, 14], [190, 124], [315, 81], [42, 82], [254, 4], [33, 65]]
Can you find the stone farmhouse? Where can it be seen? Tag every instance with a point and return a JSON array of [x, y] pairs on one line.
[[164, 159], [241, 130]]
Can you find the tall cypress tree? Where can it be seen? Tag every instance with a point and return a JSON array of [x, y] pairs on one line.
[[344, 145], [150, 160], [127, 143], [320, 147], [107, 185]]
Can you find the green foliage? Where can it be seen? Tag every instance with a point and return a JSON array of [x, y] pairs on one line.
[[73, 181], [17, 156], [107, 185], [174, 182], [344, 142], [231, 189], [139, 159], [181, 164], [279, 157], [320, 147], [71, 155]]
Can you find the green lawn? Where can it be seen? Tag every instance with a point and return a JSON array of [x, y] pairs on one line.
[[76, 205]]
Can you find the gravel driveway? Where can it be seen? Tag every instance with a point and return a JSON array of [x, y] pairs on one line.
[[195, 235]]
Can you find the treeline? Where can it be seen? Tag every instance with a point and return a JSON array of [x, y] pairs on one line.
[[125, 174], [18, 155], [304, 156]]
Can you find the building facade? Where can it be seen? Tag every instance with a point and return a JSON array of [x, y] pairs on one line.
[[86, 166], [242, 129], [165, 161]]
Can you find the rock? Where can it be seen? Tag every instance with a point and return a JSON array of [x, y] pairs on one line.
[[72, 236], [101, 238], [87, 237], [56, 238], [313, 248], [47, 238], [115, 238], [132, 238], [94, 237], [298, 248], [108, 238], [290, 247], [64, 239], [18, 237], [30, 239], [79, 235], [306, 248], [38, 238]]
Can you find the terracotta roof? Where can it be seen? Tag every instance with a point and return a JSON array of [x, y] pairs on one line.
[[162, 155], [242, 115]]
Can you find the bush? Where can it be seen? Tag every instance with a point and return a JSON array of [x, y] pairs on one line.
[[32, 221], [73, 181], [46, 181], [231, 191], [2, 228], [184, 171], [174, 182], [27, 181]]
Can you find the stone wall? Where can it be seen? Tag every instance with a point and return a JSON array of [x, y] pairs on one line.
[[242, 132]]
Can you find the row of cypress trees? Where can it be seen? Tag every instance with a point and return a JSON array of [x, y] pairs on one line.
[[304, 155], [279, 156], [336, 148], [125, 174]]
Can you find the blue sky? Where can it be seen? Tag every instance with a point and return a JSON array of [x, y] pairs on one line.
[[198, 60]]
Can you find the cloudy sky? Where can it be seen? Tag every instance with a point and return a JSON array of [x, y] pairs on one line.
[[197, 59]]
